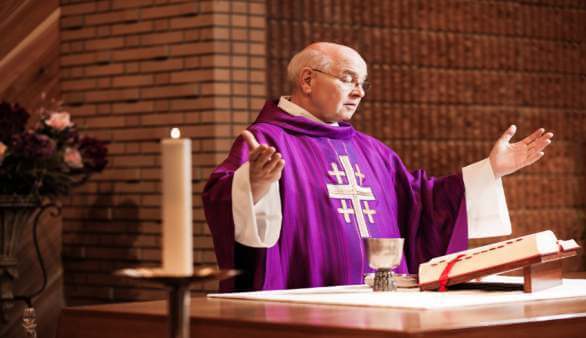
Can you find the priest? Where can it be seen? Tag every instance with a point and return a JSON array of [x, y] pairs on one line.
[[301, 188]]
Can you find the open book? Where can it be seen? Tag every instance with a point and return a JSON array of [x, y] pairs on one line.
[[522, 252]]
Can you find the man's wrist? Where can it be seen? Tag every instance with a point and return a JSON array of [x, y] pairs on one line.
[[258, 190], [492, 166]]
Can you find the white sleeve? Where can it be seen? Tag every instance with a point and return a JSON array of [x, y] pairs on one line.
[[257, 225], [486, 205]]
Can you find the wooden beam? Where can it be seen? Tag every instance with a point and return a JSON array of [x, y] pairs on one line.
[[20, 18], [29, 50]]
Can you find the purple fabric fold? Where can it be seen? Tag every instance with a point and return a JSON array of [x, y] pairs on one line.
[[320, 243]]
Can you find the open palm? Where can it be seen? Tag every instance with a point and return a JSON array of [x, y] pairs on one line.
[[506, 158]]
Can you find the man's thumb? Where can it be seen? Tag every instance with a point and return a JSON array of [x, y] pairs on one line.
[[250, 139], [509, 133]]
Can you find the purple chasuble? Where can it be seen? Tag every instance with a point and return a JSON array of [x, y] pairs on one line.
[[338, 185]]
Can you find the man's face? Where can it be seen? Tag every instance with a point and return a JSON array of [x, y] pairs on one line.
[[336, 93]]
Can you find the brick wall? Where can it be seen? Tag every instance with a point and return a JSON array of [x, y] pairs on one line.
[[449, 76], [131, 70]]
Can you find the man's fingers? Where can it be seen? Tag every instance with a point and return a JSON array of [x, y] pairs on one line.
[[266, 155], [534, 136], [534, 158], [261, 156], [270, 165], [257, 152], [250, 139], [509, 133], [539, 145], [280, 164]]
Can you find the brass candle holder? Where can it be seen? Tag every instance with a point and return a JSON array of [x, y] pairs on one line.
[[179, 300]]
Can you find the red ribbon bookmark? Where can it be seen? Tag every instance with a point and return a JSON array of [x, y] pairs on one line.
[[443, 280]]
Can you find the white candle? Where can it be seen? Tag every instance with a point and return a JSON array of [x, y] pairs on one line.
[[176, 208]]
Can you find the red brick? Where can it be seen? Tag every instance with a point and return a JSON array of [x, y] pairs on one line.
[[119, 175], [132, 41], [72, 22], [161, 24], [170, 91], [169, 11], [78, 34], [132, 81], [192, 76], [162, 65], [104, 70], [105, 122], [197, 48], [136, 107], [112, 95], [74, 9], [139, 134], [131, 28], [257, 22], [191, 21], [102, 6], [108, 43], [78, 59], [112, 17], [130, 4], [166, 119], [84, 110], [132, 120], [78, 85], [103, 31], [131, 67], [189, 104], [140, 53], [162, 78], [259, 35], [161, 38], [195, 34], [104, 82]]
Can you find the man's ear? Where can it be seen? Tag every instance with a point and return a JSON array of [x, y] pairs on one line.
[[305, 79]]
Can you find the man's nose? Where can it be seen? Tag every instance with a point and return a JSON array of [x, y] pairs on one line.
[[358, 91]]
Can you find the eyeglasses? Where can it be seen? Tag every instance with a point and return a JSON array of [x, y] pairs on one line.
[[347, 80]]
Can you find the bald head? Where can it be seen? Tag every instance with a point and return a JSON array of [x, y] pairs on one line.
[[325, 56]]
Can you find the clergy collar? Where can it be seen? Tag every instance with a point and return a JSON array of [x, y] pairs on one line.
[[289, 107], [275, 115]]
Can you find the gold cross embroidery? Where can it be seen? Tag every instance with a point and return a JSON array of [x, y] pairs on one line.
[[369, 212], [359, 174], [337, 173], [353, 192], [345, 211]]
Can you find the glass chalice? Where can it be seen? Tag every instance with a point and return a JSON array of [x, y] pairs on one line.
[[384, 254]]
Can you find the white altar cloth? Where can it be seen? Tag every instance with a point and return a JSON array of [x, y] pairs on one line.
[[362, 295]]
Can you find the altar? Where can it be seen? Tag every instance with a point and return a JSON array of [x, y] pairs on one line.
[[223, 317]]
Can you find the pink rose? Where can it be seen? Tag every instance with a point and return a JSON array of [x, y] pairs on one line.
[[59, 121], [73, 158]]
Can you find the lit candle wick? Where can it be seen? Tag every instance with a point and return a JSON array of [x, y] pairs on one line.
[[175, 133]]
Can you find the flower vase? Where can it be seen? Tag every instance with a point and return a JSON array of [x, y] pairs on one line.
[[16, 213]]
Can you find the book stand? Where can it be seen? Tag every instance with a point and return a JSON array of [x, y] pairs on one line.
[[545, 274], [539, 272]]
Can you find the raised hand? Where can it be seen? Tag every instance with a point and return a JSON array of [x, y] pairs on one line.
[[506, 158], [266, 166]]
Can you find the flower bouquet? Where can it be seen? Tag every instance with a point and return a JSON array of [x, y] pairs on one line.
[[47, 160], [37, 165]]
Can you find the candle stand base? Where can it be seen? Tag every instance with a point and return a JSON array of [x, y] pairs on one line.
[[179, 299]]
